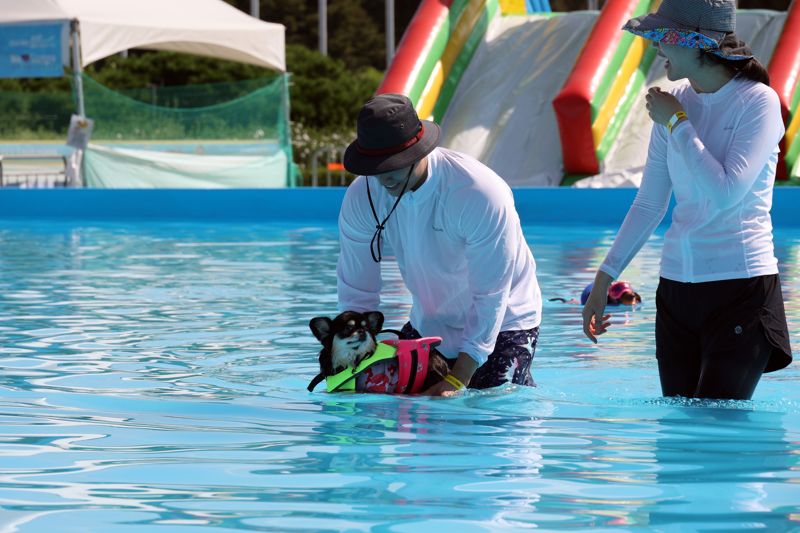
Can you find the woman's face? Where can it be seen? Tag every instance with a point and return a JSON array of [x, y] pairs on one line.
[[682, 62]]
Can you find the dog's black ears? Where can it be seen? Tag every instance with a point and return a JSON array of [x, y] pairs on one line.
[[374, 321], [321, 327]]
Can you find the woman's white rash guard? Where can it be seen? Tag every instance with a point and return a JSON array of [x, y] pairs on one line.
[[461, 252], [720, 165]]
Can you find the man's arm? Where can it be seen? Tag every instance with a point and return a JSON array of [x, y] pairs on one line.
[[490, 228]]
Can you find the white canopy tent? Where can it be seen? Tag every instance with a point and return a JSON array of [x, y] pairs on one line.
[[203, 27], [39, 32], [101, 28]]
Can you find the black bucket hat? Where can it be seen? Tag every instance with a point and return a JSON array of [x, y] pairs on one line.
[[390, 136], [705, 24]]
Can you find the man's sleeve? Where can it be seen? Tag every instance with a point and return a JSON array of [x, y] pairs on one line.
[[490, 226]]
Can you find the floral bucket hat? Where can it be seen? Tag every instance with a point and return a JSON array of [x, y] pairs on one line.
[[704, 24]]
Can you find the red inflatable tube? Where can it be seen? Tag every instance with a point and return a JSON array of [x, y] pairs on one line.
[[783, 72], [573, 103], [419, 32]]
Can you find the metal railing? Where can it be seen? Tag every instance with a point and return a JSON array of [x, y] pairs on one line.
[[38, 177], [331, 157]]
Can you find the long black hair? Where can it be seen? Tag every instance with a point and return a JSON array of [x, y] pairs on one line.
[[751, 69]]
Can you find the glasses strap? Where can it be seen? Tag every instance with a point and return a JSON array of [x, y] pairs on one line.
[[375, 243]]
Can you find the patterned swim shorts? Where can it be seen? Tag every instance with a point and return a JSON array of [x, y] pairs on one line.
[[510, 361]]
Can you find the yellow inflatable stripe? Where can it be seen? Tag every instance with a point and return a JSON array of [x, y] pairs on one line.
[[466, 22], [513, 7], [455, 43], [606, 112], [791, 131], [431, 92]]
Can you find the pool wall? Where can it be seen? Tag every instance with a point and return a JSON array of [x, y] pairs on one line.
[[535, 205]]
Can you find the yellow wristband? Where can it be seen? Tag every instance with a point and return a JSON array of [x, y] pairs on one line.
[[454, 381], [674, 119]]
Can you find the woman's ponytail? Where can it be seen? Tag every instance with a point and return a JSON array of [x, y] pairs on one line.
[[751, 69]]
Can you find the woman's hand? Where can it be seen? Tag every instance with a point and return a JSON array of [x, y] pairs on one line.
[[661, 105], [595, 323]]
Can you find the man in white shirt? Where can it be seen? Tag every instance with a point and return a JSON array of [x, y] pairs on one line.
[[451, 223]]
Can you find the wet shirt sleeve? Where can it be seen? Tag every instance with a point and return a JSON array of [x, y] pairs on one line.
[[358, 276], [647, 210]]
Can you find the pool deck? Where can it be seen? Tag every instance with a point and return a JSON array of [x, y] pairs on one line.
[[535, 205]]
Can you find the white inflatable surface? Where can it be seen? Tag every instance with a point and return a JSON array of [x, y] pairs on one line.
[[501, 112]]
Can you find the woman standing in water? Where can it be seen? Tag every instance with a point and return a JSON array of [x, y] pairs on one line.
[[720, 320]]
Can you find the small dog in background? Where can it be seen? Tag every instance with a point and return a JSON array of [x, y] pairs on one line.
[[350, 338]]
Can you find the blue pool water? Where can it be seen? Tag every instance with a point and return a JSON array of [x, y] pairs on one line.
[[153, 379]]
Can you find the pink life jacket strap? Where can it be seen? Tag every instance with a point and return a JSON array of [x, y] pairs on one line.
[[412, 358]]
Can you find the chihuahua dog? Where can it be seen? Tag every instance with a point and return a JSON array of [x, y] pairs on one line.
[[350, 338], [346, 340]]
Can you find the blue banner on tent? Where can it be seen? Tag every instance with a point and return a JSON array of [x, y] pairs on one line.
[[33, 50]]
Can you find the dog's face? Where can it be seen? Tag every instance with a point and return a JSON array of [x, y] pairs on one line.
[[346, 340]]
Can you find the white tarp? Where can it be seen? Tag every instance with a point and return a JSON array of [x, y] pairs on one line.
[[110, 167], [202, 27], [502, 112]]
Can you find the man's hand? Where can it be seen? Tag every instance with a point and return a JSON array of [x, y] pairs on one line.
[[442, 388], [661, 105], [463, 370]]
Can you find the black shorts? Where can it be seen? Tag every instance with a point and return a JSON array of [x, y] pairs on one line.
[[510, 361], [726, 319]]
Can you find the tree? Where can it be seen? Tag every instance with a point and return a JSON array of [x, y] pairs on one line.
[[356, 33]]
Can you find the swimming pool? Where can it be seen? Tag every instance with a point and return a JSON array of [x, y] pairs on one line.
[[153, 379]]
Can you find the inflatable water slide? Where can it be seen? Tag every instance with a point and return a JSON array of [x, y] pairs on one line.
[[604, 127], [538, 95]]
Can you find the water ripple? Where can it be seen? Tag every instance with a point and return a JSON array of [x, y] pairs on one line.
[[154, 375]]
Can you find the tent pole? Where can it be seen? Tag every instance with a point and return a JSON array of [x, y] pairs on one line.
[[77, 69], [322, 8], [389, 32], [291, 177]]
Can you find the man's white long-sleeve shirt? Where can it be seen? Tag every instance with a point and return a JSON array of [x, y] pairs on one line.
[[720, 164], [460, 248]]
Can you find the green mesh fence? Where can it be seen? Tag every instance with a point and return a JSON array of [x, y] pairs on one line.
[[247, 117], [252, 112], [235, 118], [248, 111]]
